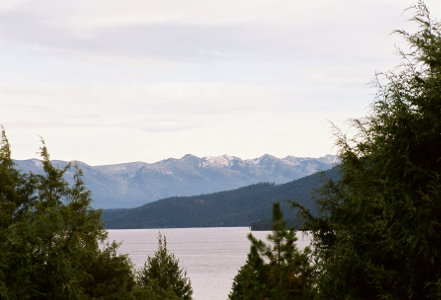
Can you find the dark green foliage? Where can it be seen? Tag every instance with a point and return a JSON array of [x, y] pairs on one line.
[[50, 236], [162, 276], [277, 271], [153, 291], [16, 195], [239, 207], [110, 275], [379, 232]]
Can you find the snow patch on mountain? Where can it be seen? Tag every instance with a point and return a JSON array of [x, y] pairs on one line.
[[137, 183], [222, 161]]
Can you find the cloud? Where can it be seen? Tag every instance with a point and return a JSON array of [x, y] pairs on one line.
[[149, 126], [52, 124], [167, 126], [201, 31], [187, 98], [106, 79]]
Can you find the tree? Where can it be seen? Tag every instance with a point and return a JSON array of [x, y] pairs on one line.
[[162, 277], [277, 271], [50, 237], [111, 276], [378, 234], [16, 231]]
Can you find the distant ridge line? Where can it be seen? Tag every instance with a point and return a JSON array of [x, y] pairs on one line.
[[136, 183]]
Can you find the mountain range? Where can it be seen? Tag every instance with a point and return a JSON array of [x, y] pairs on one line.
[[130, 185]]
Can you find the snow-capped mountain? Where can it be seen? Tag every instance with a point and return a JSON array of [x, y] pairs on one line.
[[133, 184]]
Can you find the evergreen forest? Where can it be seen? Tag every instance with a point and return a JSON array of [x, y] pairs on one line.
[[376, 226], [247, 206]]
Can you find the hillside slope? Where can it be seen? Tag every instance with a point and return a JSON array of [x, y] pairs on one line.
[[239, 207]]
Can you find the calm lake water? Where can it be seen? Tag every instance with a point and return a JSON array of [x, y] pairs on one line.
[[212, 256]]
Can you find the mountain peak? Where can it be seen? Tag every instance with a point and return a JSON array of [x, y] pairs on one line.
[[224, 160], [131, 184], [267, 156], [189, 156], [263, 158]]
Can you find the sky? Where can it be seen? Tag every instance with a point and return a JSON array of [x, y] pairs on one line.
[[115, 81]]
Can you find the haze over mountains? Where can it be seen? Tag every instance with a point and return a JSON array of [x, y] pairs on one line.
[[134, 184]]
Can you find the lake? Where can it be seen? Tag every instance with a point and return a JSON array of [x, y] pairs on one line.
[[212, 256]]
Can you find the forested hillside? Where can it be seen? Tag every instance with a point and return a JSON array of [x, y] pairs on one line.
[[240, 207]]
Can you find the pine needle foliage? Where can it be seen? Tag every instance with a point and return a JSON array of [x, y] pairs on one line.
[[50, 237], [378, 235], [277, 270], [161, 276]]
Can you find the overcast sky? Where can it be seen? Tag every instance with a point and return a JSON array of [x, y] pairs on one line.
[[116, 81]]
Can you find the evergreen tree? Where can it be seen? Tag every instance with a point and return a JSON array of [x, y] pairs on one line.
[[378, 235], [277, 271], [162, 277], [16, 231], [50, 236]]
